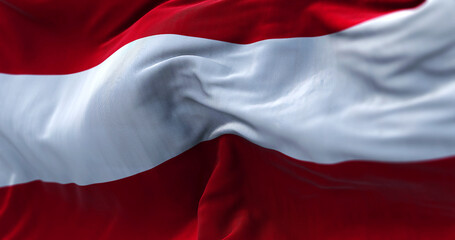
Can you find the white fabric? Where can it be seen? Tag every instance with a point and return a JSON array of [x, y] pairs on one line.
[[382, 91]]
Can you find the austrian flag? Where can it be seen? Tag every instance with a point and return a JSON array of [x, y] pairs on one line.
[[227, 119]]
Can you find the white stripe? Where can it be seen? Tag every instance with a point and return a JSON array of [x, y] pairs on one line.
[[383, 90]]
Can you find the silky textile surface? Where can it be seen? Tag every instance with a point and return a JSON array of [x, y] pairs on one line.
[[243, 119]]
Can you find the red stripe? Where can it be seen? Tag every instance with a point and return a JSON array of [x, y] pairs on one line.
[[229, 188], [57, 37]]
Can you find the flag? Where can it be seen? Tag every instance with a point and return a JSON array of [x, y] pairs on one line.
[[216, 119]]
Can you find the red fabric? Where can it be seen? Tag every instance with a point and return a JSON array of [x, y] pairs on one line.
[[58, 37], [229, 188]]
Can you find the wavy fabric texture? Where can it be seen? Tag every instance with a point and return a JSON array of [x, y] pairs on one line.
[[229, 188], [327, 99], [227, 120], [74, 35]]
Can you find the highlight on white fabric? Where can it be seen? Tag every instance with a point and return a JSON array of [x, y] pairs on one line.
[[371, 92]]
